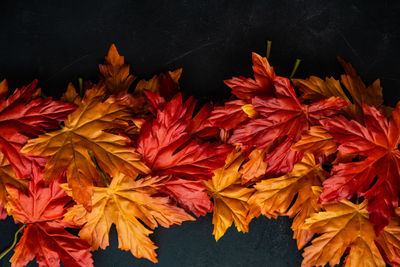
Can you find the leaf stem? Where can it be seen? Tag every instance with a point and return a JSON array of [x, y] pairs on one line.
[[296, 66], [80, 85], [103, 175], [269, 44], [5, 252]]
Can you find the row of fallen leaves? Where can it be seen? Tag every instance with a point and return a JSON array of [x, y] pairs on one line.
[[320, 151]]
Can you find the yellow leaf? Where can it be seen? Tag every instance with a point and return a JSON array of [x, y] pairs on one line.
[[316, 140], [131, 206], [84, 131], [230, 197], [273, 197], [342, 226], [250, 111]]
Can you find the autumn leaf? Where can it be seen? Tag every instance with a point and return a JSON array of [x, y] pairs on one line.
[[190, 195], [228, 116], [255, 167], [315, 88], [376, 144], [230, 197], [294, 194], [44, 236], [388, 242], [84, 131], [167, 84], [131, 206], [24, 115], [280, 122], [316, 140], [262, 85], [168, 148], [343, 226], [71, 96], [7, 177], [115, 72]]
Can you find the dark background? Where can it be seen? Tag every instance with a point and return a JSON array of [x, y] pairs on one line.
[[58, 41]]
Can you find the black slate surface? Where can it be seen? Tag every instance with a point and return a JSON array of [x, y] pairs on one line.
[[57, 41]]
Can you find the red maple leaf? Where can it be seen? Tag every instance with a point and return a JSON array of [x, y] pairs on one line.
[[262, 85], [231, 114], [168, 148], [376, 176], [190, 195], [44, 236], [281, 121], [24, 114]]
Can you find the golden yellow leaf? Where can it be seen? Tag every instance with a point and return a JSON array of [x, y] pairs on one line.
[[68, 147], [342, 226], [255, 168], [230, 197], [131, 206], [273, 197], [316, 140], [115, 72], [250, 111]]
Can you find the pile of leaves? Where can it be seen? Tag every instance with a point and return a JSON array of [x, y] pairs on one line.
[[323, 152]]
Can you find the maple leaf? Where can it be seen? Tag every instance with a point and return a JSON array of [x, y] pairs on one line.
[[167, 84], [376, 144], [282, 119], [124, 203], [168, 148], [7, 177], [230, 196], [255, 167], [23, 115], [274, 197], [71, 96], [228, 116], [190, 195], [115, 72], [315, 88], [344, 226], [84, 131], [262, 85], [388, 242], [316, 140], [44, 236]]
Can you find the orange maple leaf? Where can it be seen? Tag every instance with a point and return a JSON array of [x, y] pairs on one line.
[[230, 196], [84, 131], [274, 197], [343, 226], [130, 205]]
